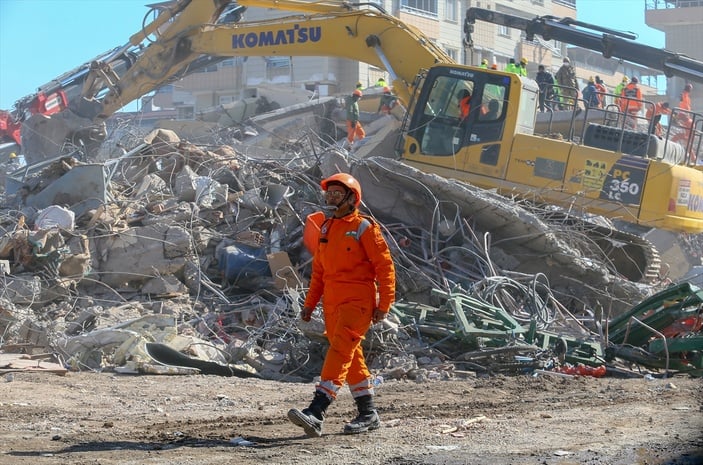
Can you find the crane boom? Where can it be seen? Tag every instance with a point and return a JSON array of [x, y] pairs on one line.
[[611, 43]]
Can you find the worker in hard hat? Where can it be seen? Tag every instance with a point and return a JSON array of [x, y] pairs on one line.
[[387, 102], [484, 63], [354, 276], [355, 131], [590, 94], [618, 89], [631, 102], [522, 67], [683, 115], [654, 115], [12, 164]]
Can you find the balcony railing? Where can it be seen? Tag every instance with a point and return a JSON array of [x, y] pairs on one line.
[[669, 4]]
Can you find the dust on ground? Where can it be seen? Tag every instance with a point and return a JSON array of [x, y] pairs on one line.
[[106, 418]]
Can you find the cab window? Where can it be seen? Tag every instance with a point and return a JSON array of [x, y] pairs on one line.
[[461, 112]]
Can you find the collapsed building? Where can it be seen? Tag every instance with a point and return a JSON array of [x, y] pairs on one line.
[[177, 257]]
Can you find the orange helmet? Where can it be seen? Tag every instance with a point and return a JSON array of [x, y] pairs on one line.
[[357, 92], [348, 181]]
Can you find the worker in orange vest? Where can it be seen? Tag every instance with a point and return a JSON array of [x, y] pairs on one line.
[[464, 104], [654, 116], [683, 119], [354, 276], [631, 102]]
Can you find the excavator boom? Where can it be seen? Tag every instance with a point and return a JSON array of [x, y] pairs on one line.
[[611, 43]]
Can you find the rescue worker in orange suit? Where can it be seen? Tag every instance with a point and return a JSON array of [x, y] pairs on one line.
[[683, 119], [685, 103], [631, 102], [353, 272], [354, 129], [654, 115], [464, 104], [387, 102]]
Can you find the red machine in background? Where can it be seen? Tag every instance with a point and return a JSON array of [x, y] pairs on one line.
[[39, 103]]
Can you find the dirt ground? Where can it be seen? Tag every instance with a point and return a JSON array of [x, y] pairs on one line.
[[108, 418]]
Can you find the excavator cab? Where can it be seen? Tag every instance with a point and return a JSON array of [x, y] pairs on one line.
[[440, 129], [438, 135], [496, 147]]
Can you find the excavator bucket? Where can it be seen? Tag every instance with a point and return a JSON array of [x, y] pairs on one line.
[[44, 137]]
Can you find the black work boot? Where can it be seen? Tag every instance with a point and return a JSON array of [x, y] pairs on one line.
[[367, 419], [311, 418]]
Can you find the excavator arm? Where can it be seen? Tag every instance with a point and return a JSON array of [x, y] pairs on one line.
[[190, 34], [363, 35], [611, 43]]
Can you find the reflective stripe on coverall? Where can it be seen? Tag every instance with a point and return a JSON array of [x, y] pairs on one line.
[[348, 263]]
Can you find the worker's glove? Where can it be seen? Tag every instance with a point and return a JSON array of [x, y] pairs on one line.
[[378, 315], [306, 313], [353, 124]]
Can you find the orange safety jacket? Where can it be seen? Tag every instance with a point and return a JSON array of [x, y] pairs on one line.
[[685, 103], [631, 91], [657, 109], [351, 258], [353, 272], [464, 107]]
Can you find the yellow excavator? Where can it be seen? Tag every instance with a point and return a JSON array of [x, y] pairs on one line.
[[608, 170]]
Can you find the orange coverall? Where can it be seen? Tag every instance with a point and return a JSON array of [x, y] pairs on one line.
[[654, 114], [345, 273], [464, 107], [631, 91]]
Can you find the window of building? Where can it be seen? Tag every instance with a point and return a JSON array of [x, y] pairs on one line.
[[228, 63], [453, 53], [225, 99], [277, 62], [503, 31], [450, 10], [208, 69], [426, 7], [186, 113]]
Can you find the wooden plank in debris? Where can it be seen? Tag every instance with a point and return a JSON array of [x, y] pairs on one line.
[[23, 362], [282, 270]]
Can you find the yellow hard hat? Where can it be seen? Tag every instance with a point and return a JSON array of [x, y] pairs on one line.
[[523, 60], [625, 79], [13, 155], [484, 61]]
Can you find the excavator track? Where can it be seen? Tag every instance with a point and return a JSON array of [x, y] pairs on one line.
[[627, 254]]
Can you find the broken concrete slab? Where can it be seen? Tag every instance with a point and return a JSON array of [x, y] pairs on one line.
[[138, 254]]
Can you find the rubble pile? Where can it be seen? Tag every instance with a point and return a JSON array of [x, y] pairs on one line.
[[177, 258]]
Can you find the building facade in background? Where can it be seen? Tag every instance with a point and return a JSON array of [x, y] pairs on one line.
[[682, 24], [442, 21]]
